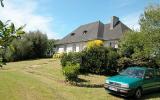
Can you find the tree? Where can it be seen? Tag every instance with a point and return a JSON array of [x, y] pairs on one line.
[[150, 19], [150, 26], [143, 48], [8, 32], [39, 43], [50, 47], [2, 3]]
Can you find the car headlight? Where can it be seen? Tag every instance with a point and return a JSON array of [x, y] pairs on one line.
[[125, 85], [107, 81]]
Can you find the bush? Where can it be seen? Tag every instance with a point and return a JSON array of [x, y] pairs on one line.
[[72, 57], [29, 46], [58, 55], [94, 43], [94, 60], [50, 48], [99, 60], [71, 71]]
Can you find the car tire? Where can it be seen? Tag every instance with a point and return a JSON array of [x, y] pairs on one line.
[[138, 93]]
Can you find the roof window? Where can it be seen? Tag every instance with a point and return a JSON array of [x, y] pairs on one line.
[[72, 34], [84, 32]]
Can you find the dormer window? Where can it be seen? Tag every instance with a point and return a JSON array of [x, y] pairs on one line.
[[72, 34], [84, 32]]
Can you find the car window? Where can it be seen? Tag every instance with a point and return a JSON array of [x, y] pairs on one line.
[[150, 73], [133, 72]]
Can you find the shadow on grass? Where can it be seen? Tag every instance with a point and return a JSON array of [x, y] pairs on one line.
[[152, 95], [84, 83]]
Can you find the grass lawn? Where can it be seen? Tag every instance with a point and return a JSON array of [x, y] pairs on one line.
[[43, 80]]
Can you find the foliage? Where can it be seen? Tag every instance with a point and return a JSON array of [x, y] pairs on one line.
[[71, 71], [2, 3], [93, 59], [57, 55], [50, 48], [99, 60], [94, 43], [143, 48], [8, 32], [150, 19], [39, 43], [72, 57], [29, 46]]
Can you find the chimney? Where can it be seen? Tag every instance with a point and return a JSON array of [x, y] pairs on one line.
[[114, 21]]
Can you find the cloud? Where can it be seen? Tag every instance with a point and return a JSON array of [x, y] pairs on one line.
[[131, 20], [25, 12]]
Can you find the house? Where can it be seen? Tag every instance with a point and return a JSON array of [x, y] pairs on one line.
[[76, 41]]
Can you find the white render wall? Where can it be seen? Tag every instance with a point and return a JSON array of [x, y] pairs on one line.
[[69, 48], [77, 47], [61, 49]]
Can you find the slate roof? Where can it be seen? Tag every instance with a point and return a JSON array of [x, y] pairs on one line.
[[95, 30]]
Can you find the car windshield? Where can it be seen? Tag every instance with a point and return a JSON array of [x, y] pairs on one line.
[[133, 72]]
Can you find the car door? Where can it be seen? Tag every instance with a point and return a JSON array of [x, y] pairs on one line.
[[149, 80], [157, 78]]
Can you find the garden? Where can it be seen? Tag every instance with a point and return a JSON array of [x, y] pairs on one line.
[[28, 71]]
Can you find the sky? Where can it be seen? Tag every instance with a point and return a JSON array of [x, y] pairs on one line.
[[57, 18]]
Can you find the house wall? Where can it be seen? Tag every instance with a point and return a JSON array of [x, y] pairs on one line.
[[60, 48], [72, 47], [69, 48], [77, 47]]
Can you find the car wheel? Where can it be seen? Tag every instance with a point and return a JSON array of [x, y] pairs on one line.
[[138, 93]]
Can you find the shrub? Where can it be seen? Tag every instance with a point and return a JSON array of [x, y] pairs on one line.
[[71, 71], [72, 57], [29, 46], [39, 43], [94, 43], [57, 55], [94, 60], [50, 48], [99, 60]]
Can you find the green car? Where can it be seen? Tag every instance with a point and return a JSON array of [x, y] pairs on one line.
[[134, 81]]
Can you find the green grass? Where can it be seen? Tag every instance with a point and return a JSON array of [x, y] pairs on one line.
[[43, 80]]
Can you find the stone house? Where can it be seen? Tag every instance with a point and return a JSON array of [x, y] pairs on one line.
[[109, 33]]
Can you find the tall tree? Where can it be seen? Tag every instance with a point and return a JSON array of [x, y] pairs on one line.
[[144, 47], [2, 3], [7, 33]]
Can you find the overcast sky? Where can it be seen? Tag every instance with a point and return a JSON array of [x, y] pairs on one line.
[[57, 18]]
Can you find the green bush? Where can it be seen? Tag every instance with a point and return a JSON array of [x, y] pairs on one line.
[[99, 60], [50, 48], [72, 57], [71, 71], [29, 46], [58, 55], [94, 60]]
